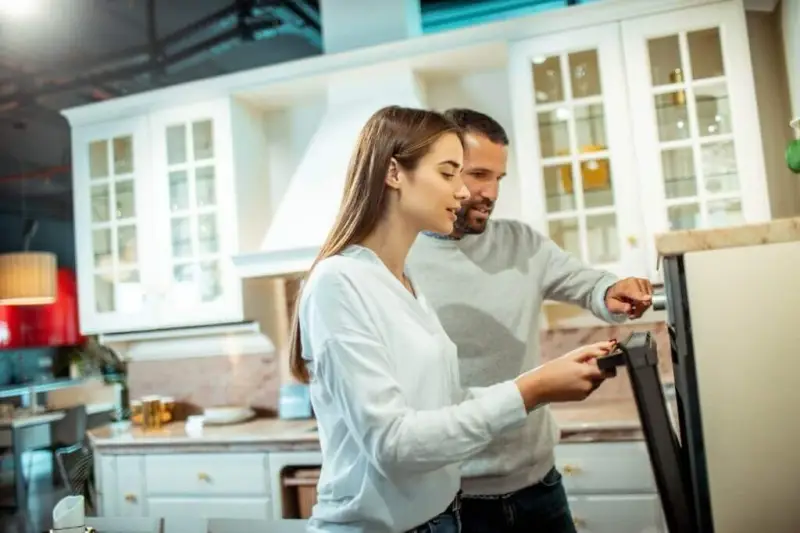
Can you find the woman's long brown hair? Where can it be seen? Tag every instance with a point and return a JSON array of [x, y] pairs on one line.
[[402, 133]]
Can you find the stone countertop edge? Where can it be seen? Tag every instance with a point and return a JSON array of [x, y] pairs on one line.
[[772, 232], [611, 421]]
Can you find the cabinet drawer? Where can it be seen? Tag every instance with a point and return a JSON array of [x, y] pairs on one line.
[[616, 467], [205, 508], [616, 514], [121, 490], [230, 474]]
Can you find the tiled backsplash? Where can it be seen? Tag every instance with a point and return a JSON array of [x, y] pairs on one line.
[[557, 342], [253, 380], [250, 380]]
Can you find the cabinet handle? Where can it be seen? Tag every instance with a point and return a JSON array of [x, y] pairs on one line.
[[202, 476], [130, 498], [570, 470]]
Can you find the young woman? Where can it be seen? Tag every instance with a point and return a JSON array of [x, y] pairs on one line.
[[393, 420]]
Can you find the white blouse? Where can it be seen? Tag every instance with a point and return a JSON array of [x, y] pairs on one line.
[[393, 420]]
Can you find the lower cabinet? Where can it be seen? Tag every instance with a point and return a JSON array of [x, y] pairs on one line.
[[610, 486], [201, 485]]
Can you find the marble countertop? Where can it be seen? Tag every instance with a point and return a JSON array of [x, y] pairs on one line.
[[773, 232], [598, 421], [608, 420], [261, 434]]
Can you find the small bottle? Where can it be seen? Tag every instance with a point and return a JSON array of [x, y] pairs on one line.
[[33, 400]]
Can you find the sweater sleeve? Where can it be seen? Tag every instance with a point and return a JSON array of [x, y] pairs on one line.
[[567, 279], [356, 369]]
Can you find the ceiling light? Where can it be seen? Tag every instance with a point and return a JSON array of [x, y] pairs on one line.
[[18, 8]]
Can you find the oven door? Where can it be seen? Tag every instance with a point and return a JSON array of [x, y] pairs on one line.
[[686, 401]]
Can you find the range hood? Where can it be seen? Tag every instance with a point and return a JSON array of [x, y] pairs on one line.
[[308, 208], [232, 340]]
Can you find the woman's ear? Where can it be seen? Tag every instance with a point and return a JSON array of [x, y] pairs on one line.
[[393, 174]]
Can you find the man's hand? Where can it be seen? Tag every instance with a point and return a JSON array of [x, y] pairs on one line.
[[630, 296]]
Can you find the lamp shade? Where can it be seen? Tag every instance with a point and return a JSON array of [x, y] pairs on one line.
[[27, 278]]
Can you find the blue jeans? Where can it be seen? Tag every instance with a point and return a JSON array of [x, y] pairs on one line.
[[447, 522], [540, 508]]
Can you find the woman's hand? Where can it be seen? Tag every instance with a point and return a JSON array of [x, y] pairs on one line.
[[571, 377]]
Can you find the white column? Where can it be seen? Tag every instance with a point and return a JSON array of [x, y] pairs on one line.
[[790, 15]]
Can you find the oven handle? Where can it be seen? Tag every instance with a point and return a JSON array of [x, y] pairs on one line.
[[659, 299]]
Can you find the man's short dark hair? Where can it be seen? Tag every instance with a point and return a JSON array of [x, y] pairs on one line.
[[472, 121]]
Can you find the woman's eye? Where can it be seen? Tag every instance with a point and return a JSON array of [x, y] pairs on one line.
[[448, 176]]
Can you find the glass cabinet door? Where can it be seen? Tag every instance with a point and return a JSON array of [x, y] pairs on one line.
[[695, 114], [193, 228], [190, 167], [109, 180], [577, 179]]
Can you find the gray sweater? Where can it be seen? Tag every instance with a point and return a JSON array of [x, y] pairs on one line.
[[487, 291]]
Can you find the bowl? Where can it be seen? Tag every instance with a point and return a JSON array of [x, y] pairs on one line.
[[230, 414]]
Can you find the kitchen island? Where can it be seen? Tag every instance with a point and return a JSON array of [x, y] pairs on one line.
[[238, 471]]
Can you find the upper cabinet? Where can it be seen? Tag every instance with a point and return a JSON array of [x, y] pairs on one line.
[[194, 198], [695, 116], [629, 119], [637, 128], [154, 197], [575, 161], [111, 192]]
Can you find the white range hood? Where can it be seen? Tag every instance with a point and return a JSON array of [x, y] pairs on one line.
[[231, 340], [308, 208]]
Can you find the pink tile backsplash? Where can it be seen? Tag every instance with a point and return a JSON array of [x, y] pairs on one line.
[[250, 380], [254, 380], [557, 342]]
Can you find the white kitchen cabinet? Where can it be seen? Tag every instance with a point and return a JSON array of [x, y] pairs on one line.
[[195, 204], [205, 485], [111, 193], [207, 474], [155, 220], [635, 128], [576, 167], [120, 485], [695, 115], [610, 487], [638, 513]]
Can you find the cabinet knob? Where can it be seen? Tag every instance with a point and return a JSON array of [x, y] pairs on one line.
[[570, 470], [202, 476], [130, 498], [633, 241]]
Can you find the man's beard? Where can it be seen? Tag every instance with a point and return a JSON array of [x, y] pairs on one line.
[[462, 225]]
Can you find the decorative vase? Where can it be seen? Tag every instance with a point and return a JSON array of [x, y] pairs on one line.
[[793, 150]]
